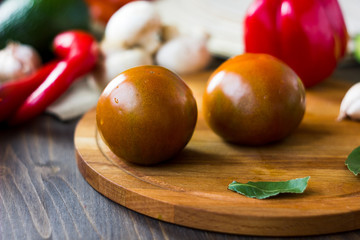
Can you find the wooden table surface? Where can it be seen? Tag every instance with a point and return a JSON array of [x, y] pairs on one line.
[[43, 195]]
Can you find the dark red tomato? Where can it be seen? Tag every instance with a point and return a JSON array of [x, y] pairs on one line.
[[146, 114], [254, 99]]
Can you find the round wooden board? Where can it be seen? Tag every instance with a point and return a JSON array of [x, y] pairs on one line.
[[191, 190]]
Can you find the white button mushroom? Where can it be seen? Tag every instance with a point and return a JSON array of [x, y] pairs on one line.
[[185, 54], [169, 32], [120, 61], [138, 25], [131, 25], [150, 43]]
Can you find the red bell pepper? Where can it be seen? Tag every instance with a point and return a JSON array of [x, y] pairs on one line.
[[309, 35], [78, 53]]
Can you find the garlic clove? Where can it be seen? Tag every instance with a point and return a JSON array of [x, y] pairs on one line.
[[18, 60], [349, 106], [353, 111], [185, 54]]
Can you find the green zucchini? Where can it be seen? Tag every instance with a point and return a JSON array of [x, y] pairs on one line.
[[37, 22]]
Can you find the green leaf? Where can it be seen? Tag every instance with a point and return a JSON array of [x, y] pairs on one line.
[[261, 190], [353, 161]]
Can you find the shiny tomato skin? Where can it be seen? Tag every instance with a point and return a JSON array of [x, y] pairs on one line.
[[253, 99], [146, 115]]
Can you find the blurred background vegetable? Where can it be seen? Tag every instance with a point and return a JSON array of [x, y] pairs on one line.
[[18, 60], [184, 54], [224, 20], [14, 93], [37, 22], [168, 37], [135, 35], [357, 48], [135, 24], [77, 54], [310, 35], [102, 10]]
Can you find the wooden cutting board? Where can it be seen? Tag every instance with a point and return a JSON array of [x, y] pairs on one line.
[[191, 190]]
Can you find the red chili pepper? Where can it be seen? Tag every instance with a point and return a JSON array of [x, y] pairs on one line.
[[309, 35], [14, 93], [78, 52]]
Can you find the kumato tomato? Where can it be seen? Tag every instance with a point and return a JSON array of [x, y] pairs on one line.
[[146, 114], [254, 99]]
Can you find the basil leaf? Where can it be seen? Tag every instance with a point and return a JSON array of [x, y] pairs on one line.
[[261, 190], [353, 161]]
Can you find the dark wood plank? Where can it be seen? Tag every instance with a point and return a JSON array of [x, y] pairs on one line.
[[43, 195]]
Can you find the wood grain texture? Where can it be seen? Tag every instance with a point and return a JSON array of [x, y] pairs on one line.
[[43, 195], [191, 189]]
